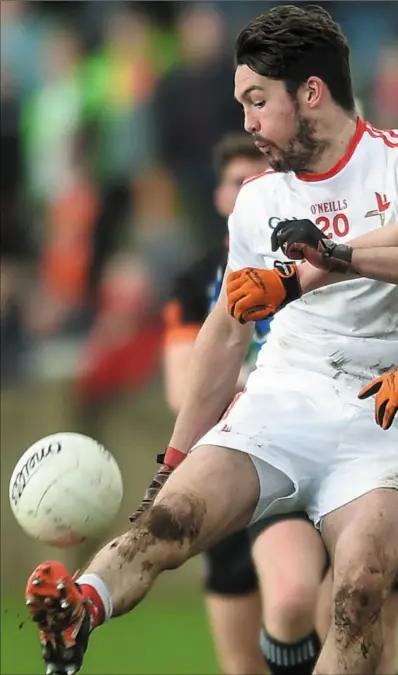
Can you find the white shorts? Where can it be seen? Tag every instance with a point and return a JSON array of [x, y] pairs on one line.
[[317, 435]]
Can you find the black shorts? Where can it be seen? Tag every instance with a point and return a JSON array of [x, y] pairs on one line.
[[229, 568], [395, 586]]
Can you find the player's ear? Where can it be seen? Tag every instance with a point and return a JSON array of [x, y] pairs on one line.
[[311, 92]]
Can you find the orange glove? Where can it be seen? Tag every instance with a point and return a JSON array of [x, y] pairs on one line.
[[386, 390], [256, 294]]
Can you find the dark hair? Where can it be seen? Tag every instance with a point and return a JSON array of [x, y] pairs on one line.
[[234, 146], [292, 43]]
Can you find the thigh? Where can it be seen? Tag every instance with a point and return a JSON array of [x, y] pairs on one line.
[[212, 494], [364, 535], [291, 560]]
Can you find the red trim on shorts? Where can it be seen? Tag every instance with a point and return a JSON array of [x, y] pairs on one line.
[[314, 177], [231, 405]]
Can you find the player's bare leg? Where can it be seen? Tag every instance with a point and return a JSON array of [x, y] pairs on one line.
[[323, 617], [362, 538], [235, 622], [390, 635], [390, 624], [211, 494], [290, 559]]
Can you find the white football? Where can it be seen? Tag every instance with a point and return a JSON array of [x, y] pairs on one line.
[[66, 488]]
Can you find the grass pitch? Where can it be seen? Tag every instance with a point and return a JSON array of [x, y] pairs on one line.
[[162, 636]]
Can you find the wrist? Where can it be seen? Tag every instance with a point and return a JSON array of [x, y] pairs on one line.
[[171, 457], [356, 260], [339, 253], [289, 275]]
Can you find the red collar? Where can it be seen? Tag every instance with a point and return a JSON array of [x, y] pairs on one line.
[[313, 177]]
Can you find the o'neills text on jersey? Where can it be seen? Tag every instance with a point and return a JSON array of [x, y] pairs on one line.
[[329, 207]]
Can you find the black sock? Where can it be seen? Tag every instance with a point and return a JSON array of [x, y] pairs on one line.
[[290, 659]]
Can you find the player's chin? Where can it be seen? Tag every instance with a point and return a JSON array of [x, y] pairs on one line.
[[279, 165]]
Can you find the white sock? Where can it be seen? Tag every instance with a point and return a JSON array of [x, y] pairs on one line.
[[96, 582]]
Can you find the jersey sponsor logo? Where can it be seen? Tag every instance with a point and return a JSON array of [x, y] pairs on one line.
[[329, 207], [382, 206]]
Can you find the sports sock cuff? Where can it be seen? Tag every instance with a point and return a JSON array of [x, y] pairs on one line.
[[98, 585], [293, 654]]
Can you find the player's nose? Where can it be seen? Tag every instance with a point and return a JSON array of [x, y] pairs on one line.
[[251, 124]]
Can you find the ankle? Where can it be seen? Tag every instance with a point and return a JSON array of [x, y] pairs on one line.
[[298, 658], [99, 601]]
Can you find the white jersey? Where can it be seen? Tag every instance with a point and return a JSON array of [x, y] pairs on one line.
[[347, 331]]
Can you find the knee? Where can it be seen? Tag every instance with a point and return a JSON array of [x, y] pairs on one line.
[[358, 601], [175, 522], [291, 607]]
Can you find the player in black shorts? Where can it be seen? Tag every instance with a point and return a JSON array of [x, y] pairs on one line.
[[270, 573]]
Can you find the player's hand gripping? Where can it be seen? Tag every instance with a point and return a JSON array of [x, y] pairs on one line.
[[385, 389], [169, 461], [301, 239], [256, 294]]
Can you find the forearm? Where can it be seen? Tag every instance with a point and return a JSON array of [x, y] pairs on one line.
[[380, 264], [375, 256], [215, 364], [380, 238]]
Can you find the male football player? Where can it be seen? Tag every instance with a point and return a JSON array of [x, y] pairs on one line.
[[297, 437]]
